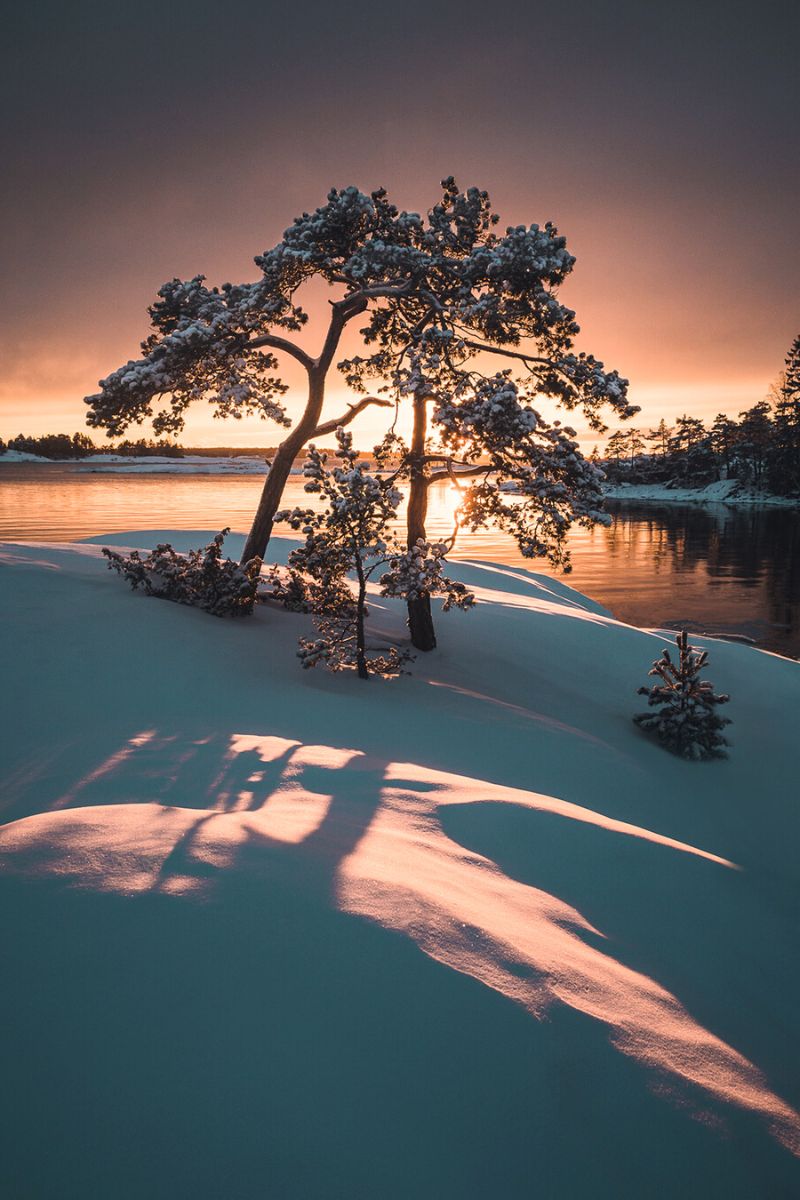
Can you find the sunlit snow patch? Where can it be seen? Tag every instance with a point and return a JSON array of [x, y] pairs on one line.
[[376, 830]]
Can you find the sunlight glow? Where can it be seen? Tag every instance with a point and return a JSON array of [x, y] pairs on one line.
[[383, 840]]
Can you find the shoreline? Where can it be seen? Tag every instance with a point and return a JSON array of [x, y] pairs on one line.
[[728, 492]]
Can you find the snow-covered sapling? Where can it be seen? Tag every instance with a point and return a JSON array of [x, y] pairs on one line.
[[349, 539], [683, 707], [201, 578]]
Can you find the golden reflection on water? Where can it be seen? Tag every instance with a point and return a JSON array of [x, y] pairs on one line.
[[714, 569]]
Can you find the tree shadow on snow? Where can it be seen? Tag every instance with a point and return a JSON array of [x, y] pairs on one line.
[[263, 1041]]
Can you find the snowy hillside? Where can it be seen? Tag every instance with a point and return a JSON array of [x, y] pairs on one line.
[[466, 933]]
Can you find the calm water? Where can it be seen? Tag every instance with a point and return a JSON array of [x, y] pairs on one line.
[[713, 570]]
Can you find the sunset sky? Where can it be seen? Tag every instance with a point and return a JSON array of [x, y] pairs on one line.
[[147, 141]]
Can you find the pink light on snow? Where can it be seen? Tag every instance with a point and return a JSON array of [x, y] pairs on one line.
[[377, 827]]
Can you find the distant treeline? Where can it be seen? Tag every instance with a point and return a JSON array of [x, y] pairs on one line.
[[62, 446], [59, 446], [761, 447]]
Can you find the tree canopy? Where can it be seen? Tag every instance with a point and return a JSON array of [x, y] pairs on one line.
[[439, 296], [446, 273]]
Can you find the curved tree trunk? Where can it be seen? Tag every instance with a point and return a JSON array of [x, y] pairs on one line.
[[268, 505], [420, 618], [361, 642], [317, 368]]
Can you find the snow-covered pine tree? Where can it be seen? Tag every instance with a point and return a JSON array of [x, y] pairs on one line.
[[683, 707], [445, 290], [478, 295], [348, 538], [201, 578], [532, 479]]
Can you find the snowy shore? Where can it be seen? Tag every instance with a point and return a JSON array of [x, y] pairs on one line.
[[466, 933], [155, 464], [725, 491]]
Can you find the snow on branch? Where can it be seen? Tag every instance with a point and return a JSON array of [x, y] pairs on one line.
[[346, 543], [200, 347], [200, 579]]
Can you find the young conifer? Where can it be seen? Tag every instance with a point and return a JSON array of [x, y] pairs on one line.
[[683, 707], [346, 541], [201, 578]]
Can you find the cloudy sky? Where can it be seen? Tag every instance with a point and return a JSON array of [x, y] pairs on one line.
[[144, 141]]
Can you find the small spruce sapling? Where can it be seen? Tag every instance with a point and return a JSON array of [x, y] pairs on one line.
[[201, 578], [348, 538], [683, 706]]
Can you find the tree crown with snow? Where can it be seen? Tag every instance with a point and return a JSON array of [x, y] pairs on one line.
[[434, 292]]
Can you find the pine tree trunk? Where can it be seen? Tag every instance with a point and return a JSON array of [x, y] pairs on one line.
[[272, 493], [361, 655], [420, 624], [420, 618], [269, 503]]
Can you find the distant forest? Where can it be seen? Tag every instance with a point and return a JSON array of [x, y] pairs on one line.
[[63, 447], [761, 447]]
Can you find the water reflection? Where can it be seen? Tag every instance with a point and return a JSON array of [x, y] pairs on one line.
[[717, 570]]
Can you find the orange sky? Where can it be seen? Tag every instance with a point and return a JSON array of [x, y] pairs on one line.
[[658, 141], [700, 354]]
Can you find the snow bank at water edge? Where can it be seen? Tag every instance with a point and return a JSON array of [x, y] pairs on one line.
[[464, 933], [117, 464], [21, 456], [190, 464], [723, 491]]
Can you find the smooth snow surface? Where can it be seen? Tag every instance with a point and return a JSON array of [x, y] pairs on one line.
[[464, 933]]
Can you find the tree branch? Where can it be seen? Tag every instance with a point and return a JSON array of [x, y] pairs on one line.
[[525, 358], [339, 318], [395, 287], [438, 476], [342, 311], [446, 458], [350, 415], [279, 343], [351, 306]]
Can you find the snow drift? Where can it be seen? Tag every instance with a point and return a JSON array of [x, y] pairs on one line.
[[233, 873]]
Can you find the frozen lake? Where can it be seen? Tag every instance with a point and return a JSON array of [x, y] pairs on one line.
[[716, 570]]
